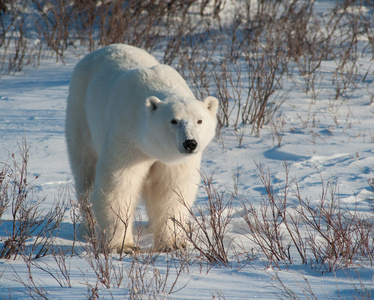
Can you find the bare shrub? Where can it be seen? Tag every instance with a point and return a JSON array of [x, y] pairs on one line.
[[99, 23], [146, 279], [76, 220], [247, 56], [195, 63], [104, 267], [61, 274], [346, 73], [56, 25], [5, 184], [43, 239], [286, 292], [222, 79], [53, 26], [27, 220], [367, 24], [266, 225], [18, 48], [33, 289], [98, 253], [208, 229], [325, 233], [266, 68], [131, 22], [3, 6], [337, 236], [277, 130], [303, 289], [140, 276], [309, 41], [248, 72]]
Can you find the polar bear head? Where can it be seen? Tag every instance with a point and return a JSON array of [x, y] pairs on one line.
[[179, 128]]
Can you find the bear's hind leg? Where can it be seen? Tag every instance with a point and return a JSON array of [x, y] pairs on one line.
[[83, 161]]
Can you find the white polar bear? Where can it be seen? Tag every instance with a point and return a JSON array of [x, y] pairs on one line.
[[134, 129]]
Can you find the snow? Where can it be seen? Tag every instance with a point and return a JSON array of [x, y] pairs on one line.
[[323, 141]]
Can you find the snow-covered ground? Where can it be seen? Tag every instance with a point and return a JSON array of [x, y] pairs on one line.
[[323, 141]]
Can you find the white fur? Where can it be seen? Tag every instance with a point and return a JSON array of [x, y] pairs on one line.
[[127, 120]]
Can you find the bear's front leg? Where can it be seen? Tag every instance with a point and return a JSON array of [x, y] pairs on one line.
[[116, 192], [168, 193]]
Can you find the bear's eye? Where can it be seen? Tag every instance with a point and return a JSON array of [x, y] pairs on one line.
[[174, 122], [199, 121]]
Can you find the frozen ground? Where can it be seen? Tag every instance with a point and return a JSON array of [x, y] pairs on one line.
[[322, 140]]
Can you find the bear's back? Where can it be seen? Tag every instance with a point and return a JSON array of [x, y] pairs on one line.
[[115, 58]]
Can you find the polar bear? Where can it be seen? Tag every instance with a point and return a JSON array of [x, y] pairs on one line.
[[135, 130]]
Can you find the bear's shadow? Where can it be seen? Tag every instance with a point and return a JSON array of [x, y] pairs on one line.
[[39, 241]]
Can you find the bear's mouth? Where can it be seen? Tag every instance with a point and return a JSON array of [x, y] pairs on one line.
[[186, 152]]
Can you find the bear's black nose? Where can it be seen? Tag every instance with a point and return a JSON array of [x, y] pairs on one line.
[[190, 145]]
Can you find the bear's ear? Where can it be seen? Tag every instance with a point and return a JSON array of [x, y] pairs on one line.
[[211, 104], [152, 103]]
